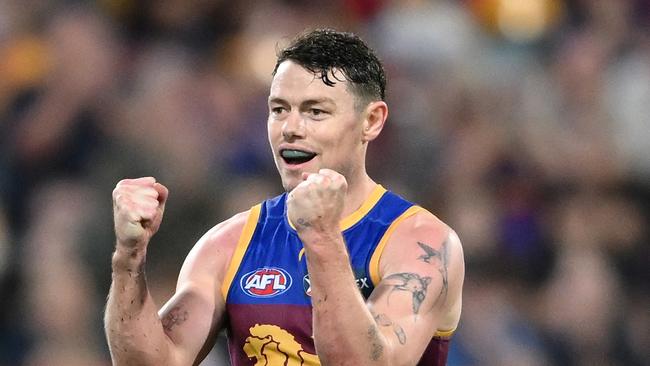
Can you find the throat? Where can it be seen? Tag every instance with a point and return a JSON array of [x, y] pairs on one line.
[[360, 197]]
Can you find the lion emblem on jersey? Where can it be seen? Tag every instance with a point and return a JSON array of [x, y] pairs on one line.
[[271, 345]]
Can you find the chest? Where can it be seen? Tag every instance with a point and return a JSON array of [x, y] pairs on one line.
[[274, 267]]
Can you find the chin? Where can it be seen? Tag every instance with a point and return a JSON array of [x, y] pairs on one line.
[[289, 183], [291, 178]]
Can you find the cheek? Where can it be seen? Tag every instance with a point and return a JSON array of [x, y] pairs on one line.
[[348, 139], [340, 147], [271, 127], [272, 131]]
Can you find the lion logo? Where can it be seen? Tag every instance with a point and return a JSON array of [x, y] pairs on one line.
[[271, 345]]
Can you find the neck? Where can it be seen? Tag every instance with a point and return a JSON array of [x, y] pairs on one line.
[[358, 191]]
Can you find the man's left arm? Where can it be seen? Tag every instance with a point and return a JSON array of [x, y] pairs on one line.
[[420, 293], [416, 296]]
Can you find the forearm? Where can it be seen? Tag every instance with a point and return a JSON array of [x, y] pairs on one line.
[[345, 332], [134, 331]]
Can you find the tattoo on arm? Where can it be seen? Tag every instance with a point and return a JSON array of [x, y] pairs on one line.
[[385, 321], [410, 282], [443, 256], [304, 223], [176, 316]]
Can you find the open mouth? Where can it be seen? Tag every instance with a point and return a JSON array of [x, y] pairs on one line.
[[295, 157]]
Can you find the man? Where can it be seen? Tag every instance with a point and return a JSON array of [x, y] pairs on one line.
[[338, 271]]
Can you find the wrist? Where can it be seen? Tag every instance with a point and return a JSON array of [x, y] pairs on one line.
[[325, 247], [129, 259], [319, 236]]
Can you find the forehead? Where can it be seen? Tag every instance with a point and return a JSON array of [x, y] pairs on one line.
[[294, 82]]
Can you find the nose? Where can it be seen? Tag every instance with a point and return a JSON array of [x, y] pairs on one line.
[[293, 127]]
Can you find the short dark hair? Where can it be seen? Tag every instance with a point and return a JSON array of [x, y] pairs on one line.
[[322, 51]]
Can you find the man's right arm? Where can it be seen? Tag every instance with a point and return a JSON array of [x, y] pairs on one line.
[[183, 331]]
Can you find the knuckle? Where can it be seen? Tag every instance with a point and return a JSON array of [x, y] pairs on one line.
[[310, 185], [149, 190], [117, 199], [123, 200], [124, 182], [118, 191]]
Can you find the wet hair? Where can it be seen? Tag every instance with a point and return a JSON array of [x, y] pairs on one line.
[[323, 51]]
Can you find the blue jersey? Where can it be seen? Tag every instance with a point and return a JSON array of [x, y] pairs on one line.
[[267, 288]]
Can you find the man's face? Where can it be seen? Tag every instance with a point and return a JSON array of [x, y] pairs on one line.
[[312, 126]]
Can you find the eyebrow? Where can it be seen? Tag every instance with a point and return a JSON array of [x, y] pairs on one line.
[[307, 102]]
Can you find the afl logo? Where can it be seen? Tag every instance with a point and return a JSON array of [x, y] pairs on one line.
[[265, 282]]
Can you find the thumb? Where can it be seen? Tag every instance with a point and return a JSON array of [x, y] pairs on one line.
[[163, 193]]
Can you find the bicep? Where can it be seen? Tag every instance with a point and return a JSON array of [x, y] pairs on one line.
[[420, 288], [193, 317]]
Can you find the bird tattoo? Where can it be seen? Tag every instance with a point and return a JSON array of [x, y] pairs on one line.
[[429, 253], [443, 257], [413, 283]]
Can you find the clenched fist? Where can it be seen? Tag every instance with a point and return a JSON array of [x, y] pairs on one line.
[[138, 206], [317, 202]]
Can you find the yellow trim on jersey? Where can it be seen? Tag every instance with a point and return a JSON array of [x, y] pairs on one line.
[[300, 254], [444, 333], [240, 249], [362, 211], [374, 260]]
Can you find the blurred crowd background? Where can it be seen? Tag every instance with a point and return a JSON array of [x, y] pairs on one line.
[[524, 124]]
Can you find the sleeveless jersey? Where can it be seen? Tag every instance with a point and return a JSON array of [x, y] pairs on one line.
[[267, 289]]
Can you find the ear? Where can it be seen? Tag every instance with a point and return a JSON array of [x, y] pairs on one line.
[[375, 118]]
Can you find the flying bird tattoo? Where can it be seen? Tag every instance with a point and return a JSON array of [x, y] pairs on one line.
[[443, 256], [413, 283], [429, 253]]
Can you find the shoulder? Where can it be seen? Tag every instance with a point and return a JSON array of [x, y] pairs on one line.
[[422, 222], [213, 251], [226, 233], [424, 247], [423, 228], [423, 241]]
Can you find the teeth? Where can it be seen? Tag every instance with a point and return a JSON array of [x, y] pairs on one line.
[[295, 154]]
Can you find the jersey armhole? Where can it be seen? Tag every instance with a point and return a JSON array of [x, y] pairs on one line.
[[376, 256], [237, 256], [445, 333]]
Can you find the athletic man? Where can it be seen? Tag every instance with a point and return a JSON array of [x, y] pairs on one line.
[[337, 271]]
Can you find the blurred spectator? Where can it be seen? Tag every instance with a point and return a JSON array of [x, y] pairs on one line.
[[59, 290], [52, 126]]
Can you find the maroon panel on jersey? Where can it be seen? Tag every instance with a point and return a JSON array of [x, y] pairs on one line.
[[287, 323], [436, 352]]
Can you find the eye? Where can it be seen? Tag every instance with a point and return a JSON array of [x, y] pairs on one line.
[[277, 110], [317, 112]]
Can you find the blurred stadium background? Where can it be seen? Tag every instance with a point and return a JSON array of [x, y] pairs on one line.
[[524, 124]]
